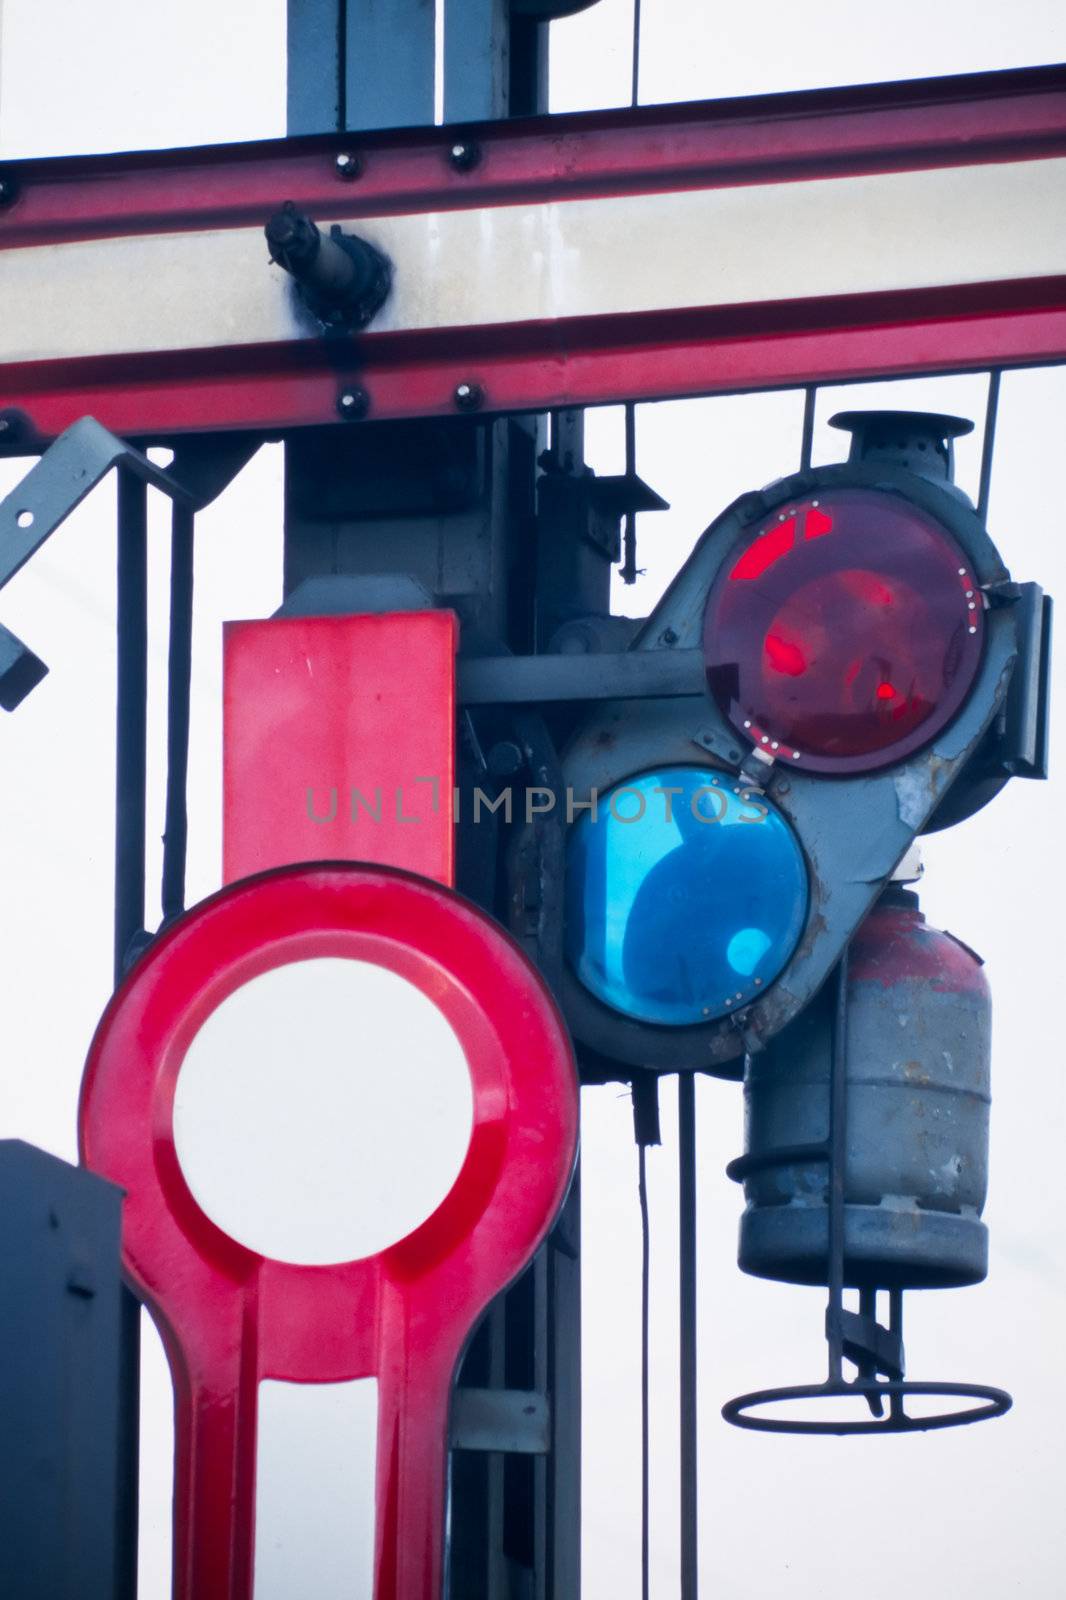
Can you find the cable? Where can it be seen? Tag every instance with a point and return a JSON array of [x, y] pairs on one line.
[[646, 1132], [686, 1162], [629, 531], [645, 1363]]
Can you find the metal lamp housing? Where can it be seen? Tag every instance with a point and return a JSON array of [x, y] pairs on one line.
[[853, 829]]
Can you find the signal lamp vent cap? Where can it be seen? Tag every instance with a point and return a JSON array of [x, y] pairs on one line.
[[921, 441]]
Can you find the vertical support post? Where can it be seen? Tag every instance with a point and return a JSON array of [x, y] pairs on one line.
[[476, 38], [838, 1153], [315, 90], [686, 1151], [988, 444], [389, 63], [179, 680], [68, 1366], [376, 507], [131, 759], [131, 715], [810, 396]]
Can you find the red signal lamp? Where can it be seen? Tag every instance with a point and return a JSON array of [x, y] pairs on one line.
[[846, 633]]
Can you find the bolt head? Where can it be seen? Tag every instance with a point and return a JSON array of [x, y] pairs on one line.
[[468, 396], [353, 404], [464, 154], [348, 165]]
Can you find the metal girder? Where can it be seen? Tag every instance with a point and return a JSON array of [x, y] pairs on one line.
[[554, 262]]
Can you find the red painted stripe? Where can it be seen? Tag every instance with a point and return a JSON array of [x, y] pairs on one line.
[[546, 365], [767, 139]]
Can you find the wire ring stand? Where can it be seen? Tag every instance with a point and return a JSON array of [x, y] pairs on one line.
[[995, 1403]]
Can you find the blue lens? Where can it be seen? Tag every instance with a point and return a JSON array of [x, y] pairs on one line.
[[685, 896]]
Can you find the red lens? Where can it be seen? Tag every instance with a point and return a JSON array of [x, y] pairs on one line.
[[846, 634]]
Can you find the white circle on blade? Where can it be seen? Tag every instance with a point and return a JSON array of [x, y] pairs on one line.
[[323, 1111]]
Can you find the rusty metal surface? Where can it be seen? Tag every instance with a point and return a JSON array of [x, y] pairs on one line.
[[918, 1049]]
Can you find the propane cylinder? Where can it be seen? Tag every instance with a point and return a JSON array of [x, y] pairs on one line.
[[918, 1045]]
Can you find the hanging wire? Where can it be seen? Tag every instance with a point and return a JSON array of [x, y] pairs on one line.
[[645, 1131], [686, 1162], [645, 1365], [629, 529]]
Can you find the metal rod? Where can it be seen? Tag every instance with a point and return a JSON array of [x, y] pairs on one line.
[[131, 712], [686, 1155], [645, 1371], [629, 527], [179, 680], [810, 395], [988, 443], [895, 1324], [838, 1102], [131, 715]]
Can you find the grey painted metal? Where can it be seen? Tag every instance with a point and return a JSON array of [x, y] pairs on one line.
[[532, 680], [899, 963], [853, 830], [917, 1090], [67, 1372], [69, 469], [20, 670], [389, 63], [476, 59], [315, 93], [517, 1421], [358, 64]]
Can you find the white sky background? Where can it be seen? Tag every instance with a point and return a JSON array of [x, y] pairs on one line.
[[974, 1511]]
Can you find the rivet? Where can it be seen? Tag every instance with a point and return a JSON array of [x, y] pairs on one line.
[[347, 165], [962, 572], [766, 738], [774, 744], [748, 723], [972, 606], [795, 755], [758, 982], [813, 503], [353, 404], [464, 154], [468, 396], [969, 594], [972, 630]]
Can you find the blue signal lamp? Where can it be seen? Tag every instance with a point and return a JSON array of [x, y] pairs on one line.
[[685, 896]]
